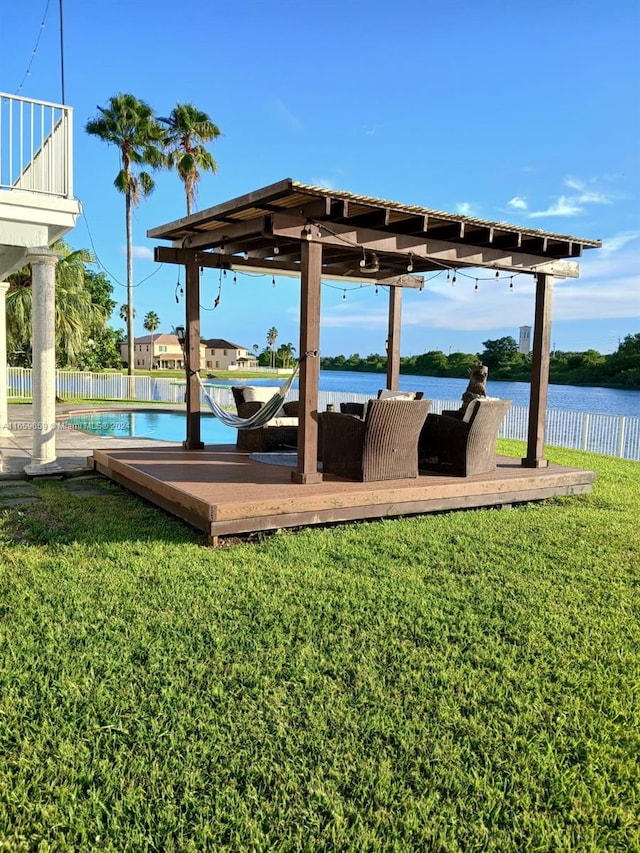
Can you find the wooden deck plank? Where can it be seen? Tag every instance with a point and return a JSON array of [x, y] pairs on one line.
[[223, 491]]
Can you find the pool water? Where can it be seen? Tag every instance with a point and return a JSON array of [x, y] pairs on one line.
[[162, 426]]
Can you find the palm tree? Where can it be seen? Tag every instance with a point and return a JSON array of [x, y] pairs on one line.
[[272, 336], [77, 317], [188, 129], [151, 323], [131, 126], [285, 351], [124, 312]]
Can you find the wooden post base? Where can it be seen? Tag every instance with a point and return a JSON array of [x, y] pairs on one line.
[[534, 463], [306, 479], [193, 445]]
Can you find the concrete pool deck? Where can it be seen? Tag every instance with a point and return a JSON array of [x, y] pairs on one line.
[[73, 446]]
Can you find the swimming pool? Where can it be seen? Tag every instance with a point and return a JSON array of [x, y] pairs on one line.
[[162, 426]]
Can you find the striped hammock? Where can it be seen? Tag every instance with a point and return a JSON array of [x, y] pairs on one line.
[[258, 419]]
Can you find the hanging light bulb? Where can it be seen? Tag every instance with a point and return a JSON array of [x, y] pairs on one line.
[[511, 284], [497, 274], [448, 276], [453, 280], [273, 281], [235, 278], [410, 264], [476, 287], [276, 250], [344, 295]]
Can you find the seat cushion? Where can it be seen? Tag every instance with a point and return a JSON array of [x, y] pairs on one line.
[[388, 394], [259, 393]]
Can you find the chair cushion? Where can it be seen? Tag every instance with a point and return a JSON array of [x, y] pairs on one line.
[[388, 394], [283, 421], [259, 393]]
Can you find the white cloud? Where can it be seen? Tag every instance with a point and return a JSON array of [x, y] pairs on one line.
[[564, 206], [517, 203], [328, 183], [143, 253], [466, 208], [585, 195], [613, 244]]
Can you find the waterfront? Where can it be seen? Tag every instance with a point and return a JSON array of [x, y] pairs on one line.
[[570, 398]]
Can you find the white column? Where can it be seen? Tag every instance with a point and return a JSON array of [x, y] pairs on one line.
[[5, 432], [43, 294]]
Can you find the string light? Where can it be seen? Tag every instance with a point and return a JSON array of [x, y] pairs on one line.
[[476, 287], [453, 280], [511, 284], [27, 73], [410, 264], [235, 278], [344, 295], [273, 281]]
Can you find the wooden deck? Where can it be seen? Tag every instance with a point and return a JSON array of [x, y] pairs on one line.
[[224, 492]]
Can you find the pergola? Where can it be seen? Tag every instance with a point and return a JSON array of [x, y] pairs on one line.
[[290, 228]]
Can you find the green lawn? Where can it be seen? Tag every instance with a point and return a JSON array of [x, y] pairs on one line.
[[457, 682]]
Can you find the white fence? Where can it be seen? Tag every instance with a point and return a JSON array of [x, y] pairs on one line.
[[35, 146], [613, 435]]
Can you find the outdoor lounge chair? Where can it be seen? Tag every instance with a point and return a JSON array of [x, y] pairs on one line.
[[382, 446], [281, 431], [357, 409], [465, 445]]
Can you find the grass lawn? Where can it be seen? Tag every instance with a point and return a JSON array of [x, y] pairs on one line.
[[456, 682]]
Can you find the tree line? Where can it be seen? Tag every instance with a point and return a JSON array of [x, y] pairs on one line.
[[505, 362]]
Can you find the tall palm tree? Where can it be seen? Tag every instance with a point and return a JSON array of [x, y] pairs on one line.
[[188, 129], [272, 337], [124, 312], [77, 316], [130, 125], [151, 323]]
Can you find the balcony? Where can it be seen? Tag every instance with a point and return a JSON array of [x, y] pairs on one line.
[[37, 206]]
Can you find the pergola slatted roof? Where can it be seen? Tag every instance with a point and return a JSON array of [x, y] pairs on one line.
[[267, 225]]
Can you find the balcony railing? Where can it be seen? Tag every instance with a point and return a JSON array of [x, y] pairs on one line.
[[36, 140]]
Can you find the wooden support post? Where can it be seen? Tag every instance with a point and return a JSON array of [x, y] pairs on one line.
[[310, 279], [192, 356], [539, 373], [393, 338]]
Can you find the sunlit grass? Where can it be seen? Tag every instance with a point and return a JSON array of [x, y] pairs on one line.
[[455, 682]]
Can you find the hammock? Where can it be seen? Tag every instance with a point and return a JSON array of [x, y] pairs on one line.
[[260, 418]]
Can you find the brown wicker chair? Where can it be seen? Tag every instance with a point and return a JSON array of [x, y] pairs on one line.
[[273, 435], [357, 409], [463, 446], [383, 446]]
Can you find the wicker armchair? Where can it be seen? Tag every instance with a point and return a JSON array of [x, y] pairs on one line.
[[383, 446], [282, 431], [465, 445]]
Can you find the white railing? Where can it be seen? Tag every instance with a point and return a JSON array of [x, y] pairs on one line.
[[612, 435], [35, 146]]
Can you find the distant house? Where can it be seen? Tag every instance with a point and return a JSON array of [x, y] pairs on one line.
[[157, 352], [223, 355]]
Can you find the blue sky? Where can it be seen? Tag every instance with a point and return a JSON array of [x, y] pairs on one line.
[[527, 113]]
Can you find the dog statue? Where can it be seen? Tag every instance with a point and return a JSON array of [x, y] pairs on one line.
[[477, 387]]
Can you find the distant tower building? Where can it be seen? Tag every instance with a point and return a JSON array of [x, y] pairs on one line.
[[525, 340]]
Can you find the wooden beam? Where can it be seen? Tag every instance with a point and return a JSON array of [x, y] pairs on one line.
[[541, 356], [456, 254], [192, 356], [310, 285], [393, 338]]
